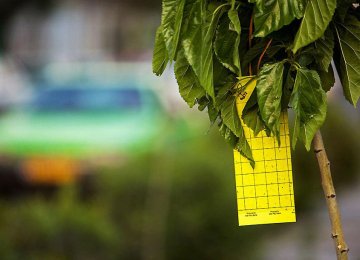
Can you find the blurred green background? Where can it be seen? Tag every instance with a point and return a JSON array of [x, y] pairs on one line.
[[169, 193]]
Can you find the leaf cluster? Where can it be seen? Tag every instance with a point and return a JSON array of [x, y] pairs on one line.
[[287, 46]]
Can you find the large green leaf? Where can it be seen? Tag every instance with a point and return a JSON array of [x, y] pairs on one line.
[[317, 16], [198, 44], [193, 37], [348, 65], [160, 54], [188, 15], [231, 119], [235, 26], [269, 91], [325, 50], [189, 85], [171, 20], [227, 42], [206, 73], [309, 103], [272, 15]]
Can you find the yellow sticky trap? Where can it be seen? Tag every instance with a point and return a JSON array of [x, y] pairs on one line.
[[265, 195]]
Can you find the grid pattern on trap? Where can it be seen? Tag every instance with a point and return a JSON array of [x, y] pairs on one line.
[[265, 193]]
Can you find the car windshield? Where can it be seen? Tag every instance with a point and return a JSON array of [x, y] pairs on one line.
[[66, 99]]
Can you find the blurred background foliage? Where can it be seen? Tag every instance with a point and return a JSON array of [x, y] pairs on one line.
[[174, 204], [175, 199]]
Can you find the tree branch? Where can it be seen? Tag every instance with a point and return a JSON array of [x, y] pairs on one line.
[[330, 196]]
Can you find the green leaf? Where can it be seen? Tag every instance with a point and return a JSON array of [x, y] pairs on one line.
[[203, 102], [230, 116], [253, 120], [235, 21], [188, 16], [222, 75], [212, 112], [309, 103], [171, 20], [198, 44], [287, 89], [269, 92], [227, 42], [244, 148], [347, 64], [325, 50], [327, 78], [193, 37], [272, 15], [206, 73], [231, 119], [228, 135], [253, 52], [189, 85], [342, 9], [226, 88], [274, 50], [236, 27], [160, 55], [317, 16], [298, 8], [234, 141], [306, 56], [251, 103]]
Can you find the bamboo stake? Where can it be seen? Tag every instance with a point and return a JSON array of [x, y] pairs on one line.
[[330, 196]]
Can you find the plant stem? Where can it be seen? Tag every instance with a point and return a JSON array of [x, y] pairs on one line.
[[330, 196], [250, 40], [263, 54]]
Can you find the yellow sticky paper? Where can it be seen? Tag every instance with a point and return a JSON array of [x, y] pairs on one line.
[[265, 195]]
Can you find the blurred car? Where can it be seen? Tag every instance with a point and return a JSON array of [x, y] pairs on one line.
[[65, 130]]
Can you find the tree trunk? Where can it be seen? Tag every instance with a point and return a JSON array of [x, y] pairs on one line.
[[330, 196]]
